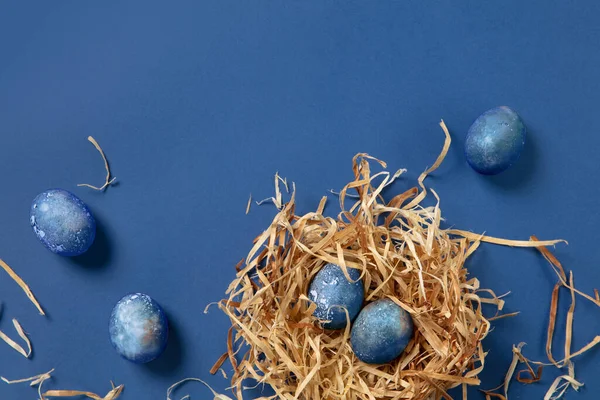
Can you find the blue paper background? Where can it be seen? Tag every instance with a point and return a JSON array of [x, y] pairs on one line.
[[197, 104]]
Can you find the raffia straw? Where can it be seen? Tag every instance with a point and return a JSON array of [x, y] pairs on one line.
[[108, 180], [181, 382], [517, 359], [558, 269], [391, 180], [556, 392], [569, 324], [218, 363], [512, 368], [37, 380], [505, 242], [497, 317], [113, 394], [14, 344], [402, 253], [277, 200], [552, 324], [569, 355], [23, 285], [249, 204], [562, 383]]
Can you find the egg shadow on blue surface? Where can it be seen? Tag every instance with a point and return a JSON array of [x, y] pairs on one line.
[[99, 255], [170, 361], [519, 176]]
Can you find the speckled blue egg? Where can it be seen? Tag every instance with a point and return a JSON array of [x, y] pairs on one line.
[[495, 140], [381, 332], [62, 222], [138, 328], [332, 293]]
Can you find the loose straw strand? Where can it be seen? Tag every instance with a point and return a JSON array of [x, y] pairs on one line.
[[108, 180], [22, 284], [14, 344]]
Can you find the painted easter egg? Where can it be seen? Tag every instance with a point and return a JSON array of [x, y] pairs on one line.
[[381, 332], [62, 222], [138, 328], [332, 293], [495, 140]]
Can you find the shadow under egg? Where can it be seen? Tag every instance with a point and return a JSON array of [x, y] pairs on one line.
[[99, 255], [170, 362]]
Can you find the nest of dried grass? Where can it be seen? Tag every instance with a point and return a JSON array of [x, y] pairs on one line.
[[403, 254]]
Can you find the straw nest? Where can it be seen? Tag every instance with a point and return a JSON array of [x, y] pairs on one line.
[[403, 254]]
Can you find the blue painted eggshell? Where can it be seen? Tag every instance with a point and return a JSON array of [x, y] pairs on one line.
[[381, 332], [62, 222], [138, 328], [495, 140], [332, 293]]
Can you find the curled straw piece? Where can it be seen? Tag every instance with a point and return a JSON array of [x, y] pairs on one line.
[[504, 242], [277, 199], [108, 180], [181, 382], [14, 344], [391, 180], [569, 355], [39, 380], [562, 383], [517, 358], [402, 253], [35, 380], [112, 395], [23, 285], [557, 390]]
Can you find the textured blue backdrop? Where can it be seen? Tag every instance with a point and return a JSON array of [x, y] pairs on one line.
[[197, 104]]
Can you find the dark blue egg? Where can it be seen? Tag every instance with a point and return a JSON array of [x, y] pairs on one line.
[[62, 222], [495, 140], [138, 328], [332, 293], [381, 332]]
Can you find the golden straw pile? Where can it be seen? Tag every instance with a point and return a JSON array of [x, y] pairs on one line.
[[403, 254]]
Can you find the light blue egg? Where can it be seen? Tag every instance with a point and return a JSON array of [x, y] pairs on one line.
[[381, 332], [138, 328], [62, 222], [495, 140], [332, 293]]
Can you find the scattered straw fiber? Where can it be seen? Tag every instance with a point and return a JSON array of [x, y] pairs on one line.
[[14, 344], [108, 180], [22, 284], [113, 394], [565, 381], [181, 382], [37, 380]]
